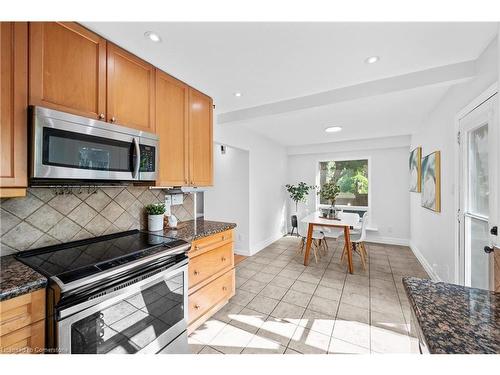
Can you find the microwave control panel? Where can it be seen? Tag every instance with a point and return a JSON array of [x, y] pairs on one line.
[[147, 158]]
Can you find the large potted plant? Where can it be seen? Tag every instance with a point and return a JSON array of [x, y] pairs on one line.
[[298, 193], [329, 191], [156, 212]]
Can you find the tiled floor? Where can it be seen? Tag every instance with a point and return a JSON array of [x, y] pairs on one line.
[[281, 306]]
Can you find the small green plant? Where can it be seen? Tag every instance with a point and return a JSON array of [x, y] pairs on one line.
[[299, 193], [329, 191], [155, 209]]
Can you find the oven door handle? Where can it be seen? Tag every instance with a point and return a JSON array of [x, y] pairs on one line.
[[137, 160], [86, 308]]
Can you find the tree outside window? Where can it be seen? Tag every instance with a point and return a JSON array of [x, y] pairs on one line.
[[352, 178]]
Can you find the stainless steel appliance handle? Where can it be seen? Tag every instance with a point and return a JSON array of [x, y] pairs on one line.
[[77, 285], [137, 163]]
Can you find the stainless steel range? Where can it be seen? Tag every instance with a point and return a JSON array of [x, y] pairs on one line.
[[120, 293]]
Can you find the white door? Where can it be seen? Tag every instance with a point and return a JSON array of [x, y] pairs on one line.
[[479, 139]]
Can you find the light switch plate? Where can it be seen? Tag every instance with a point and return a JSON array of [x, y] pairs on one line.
[[177, 199]]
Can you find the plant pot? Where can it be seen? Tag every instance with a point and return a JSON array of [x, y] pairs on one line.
[[155, 222]]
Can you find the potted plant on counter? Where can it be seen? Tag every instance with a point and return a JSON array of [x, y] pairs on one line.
[[329, 191], [156, 212]]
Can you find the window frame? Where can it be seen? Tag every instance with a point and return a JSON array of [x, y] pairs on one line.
[[343, 206]]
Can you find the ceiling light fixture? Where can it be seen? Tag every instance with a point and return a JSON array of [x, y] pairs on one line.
[[333, 129], [152, 36], [372, 59], [237, 94]]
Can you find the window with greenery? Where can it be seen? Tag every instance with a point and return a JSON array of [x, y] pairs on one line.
[[351, 177]]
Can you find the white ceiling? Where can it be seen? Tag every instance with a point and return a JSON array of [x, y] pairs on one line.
[[271, 62], [387, 115]]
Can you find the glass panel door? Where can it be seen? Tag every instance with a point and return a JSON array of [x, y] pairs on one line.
[[477, 195], [133, 323]]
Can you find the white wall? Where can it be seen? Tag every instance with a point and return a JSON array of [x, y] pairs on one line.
[[388, 181], [433, 234], [267, 176], [229, 200]]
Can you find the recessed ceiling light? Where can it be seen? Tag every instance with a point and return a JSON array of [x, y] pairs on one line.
[[237, 94], [333, 129], [372, 59], [152, 36]]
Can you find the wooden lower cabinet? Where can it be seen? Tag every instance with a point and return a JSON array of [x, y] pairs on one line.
[[211, 277], [22, 323]]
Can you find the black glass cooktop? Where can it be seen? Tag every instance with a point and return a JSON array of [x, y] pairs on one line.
[[78, 259]]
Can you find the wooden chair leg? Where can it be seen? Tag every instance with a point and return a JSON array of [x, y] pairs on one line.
[[364, 250], [361, 255], [301, 246], [315, 251]]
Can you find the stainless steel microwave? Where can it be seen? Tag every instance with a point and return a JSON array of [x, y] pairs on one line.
[[70, 147]]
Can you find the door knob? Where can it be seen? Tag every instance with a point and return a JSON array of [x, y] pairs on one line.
[[488, 249], [494, 230]]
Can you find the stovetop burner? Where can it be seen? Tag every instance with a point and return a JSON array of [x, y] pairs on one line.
[[78, 259]]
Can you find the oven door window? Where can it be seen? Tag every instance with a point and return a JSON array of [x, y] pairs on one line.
[[82, 151], [133, 323]]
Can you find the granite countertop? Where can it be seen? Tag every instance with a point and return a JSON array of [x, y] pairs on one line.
[[191, 230], [17, 278], [455, 319]]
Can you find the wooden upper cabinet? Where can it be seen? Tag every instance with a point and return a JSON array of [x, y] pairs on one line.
[[172, 100], [130, 90], [13, 108], [200, 139], [67, 68]]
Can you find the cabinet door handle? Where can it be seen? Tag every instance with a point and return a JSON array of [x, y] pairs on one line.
[[224, 288], [113, 119], [223, 259], [197, 307], [101, 116], [196, 273]]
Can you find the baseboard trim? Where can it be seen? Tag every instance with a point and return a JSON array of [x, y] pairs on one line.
[[262, 244], [243, 252], [427, 267], [389, 240]]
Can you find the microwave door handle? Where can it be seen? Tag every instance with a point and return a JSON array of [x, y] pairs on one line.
[[137, 161]]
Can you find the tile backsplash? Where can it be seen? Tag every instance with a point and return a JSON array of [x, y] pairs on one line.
[[43, 218]]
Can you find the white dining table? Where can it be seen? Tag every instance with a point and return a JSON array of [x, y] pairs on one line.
[[316, 220]]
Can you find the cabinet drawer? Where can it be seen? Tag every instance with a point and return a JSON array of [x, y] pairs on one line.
[[29, 339], [204, 299], [21, 311], [211, 242], [209, 263]]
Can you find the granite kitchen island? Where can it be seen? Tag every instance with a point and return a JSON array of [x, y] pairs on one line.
[[453, 319]]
